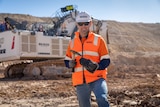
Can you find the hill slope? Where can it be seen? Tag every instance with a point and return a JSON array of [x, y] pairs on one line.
[[133, 37]]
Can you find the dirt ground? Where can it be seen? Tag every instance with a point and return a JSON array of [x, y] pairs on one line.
[[129, 86]]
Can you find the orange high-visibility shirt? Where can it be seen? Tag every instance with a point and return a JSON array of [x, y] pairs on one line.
[[99, 52]]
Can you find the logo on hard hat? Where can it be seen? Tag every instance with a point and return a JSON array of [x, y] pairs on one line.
[[83, 16]]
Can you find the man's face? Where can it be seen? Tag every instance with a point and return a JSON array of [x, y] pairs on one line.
[[83, 28]]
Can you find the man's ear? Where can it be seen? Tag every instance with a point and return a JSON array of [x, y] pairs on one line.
[[90, 23], [77, 24]]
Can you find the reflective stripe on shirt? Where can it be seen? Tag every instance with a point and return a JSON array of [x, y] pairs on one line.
[[105, 57], [67, 58], [95, 42], [78, 69]]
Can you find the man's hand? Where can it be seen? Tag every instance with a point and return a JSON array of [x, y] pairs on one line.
[[72, 63], [89, 65]]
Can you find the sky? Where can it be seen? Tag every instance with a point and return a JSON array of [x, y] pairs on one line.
[[145, 11]]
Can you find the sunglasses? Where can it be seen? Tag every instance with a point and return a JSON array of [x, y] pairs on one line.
[[83, 23]]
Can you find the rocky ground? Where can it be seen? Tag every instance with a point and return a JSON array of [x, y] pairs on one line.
[[129, 86]]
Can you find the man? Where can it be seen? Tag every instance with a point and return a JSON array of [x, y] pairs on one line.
[[87, 54]]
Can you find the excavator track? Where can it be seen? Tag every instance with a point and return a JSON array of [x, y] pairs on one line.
[[46, 69], [15, 70]]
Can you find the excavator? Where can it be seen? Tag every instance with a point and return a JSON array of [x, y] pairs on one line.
[[34, 53]]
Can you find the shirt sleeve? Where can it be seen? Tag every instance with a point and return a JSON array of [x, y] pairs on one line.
[[68, 56], [68, 52], [103, 50], [104, 54]]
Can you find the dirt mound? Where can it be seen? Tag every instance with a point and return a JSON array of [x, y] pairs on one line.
[[134, 37], [25, 17], [22, 21]]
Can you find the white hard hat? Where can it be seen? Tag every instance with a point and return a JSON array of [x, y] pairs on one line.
[[83, 17]]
